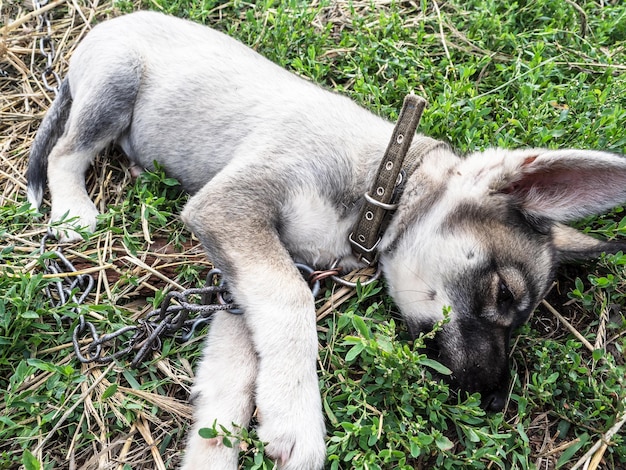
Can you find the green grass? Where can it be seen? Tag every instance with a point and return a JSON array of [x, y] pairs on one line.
[[514, 74]]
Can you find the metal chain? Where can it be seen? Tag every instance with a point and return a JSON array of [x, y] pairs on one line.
[[46, 47], [335, 276], [184, 316], [167, 320], [68, 286], [171, 317], [180, 314]]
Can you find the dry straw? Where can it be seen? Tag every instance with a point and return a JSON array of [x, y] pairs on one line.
[[160, 417]]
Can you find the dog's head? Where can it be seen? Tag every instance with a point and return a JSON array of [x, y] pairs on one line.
[[485, 241]]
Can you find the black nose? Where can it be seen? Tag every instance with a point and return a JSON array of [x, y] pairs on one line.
[[494, 401]]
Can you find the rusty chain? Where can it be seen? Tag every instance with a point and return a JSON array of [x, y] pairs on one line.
[[66, 287], [179, 316], [178, 313]]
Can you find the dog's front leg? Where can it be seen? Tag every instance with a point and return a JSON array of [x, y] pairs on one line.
[[222, 393], [279, 312]]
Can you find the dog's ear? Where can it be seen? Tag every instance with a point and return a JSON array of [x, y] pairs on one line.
[[572, 245], [563, 185]]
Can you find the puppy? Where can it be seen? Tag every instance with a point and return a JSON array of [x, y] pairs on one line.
[[279, 168]]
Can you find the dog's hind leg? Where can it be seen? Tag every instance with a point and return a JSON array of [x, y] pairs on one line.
[[103, 102], [222, 393]]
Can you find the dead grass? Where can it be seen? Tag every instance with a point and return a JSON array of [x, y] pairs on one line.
[[23, 101]]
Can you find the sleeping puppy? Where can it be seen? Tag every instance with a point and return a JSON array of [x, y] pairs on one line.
[[279, 168]]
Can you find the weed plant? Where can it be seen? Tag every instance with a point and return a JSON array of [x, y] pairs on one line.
[[515, 74]]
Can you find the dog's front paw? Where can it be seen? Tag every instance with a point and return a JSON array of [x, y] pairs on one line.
[[209, 454], [67, 222], [295, 445]]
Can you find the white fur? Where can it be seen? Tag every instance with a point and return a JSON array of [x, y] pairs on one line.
[[310, 223], [223, 398], [70, 201]]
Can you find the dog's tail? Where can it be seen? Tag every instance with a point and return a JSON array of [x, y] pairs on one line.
[[52, 127]]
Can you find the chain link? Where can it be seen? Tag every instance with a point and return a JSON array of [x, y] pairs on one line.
[[173, 315], [46, 47], [179, 312], [65, 289]]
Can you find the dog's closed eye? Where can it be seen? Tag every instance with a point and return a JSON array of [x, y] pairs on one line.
[[504, 296]]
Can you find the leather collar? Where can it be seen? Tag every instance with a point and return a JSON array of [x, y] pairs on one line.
[[395, 168]]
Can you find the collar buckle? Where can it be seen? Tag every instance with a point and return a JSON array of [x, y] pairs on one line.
[[363, 253]]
